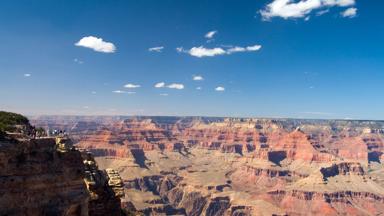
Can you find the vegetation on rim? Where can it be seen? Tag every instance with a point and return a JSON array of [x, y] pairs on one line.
[[9, 121]]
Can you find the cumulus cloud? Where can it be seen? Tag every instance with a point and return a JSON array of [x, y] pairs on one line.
[[203, 52], [156, 49], [27, 75], [175, 86], [123, 92], [97, 44], [210, 34], [299, 9], [350, 12], [198, 78], [130, 85], [219, 88], [160, 85], [210, 52]]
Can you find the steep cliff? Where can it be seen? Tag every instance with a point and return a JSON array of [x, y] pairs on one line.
[[48, 176], [36, 179]]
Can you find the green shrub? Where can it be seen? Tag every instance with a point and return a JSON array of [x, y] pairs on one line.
[[9, 121]]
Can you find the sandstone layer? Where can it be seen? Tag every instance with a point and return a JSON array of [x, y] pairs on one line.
[[48, 176], [227, 166]]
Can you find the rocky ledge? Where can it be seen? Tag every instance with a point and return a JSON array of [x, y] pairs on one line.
[[47, 176]]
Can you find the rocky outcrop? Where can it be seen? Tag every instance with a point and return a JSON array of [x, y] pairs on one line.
[[147, 183], [193, 202], [270, 173], [178, 198], [105, 188], [48, 176], [115, 182], [36, 179], [143, 133], [217, 206], [345, 168]]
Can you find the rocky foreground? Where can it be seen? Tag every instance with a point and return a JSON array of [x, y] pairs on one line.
[[217, 166], [48, 176]]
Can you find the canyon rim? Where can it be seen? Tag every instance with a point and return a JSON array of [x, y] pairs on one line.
[[193, 107]]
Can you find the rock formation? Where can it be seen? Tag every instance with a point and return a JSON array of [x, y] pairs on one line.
[[228, 166], [49, 176], [105, 188], [38, 180]]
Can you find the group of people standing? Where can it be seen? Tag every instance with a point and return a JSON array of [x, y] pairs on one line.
[[34, 132], [59, 133]]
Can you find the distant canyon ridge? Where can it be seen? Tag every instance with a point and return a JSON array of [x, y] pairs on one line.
[[237, 166]]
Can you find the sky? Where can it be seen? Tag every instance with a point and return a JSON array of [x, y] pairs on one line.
[[320, 59]]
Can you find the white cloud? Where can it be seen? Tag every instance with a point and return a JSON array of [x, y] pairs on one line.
[[198, 88], [210, 52], [163, 94], [236, 49], [130, 85], [198, 78], [171, 86], [203, 52], [243, 49], [156, 49], [78, 61], [27, 75], [350, 12], [219, 88], [322, 12], [299, 9], [93, 92], [179, 49], [210, 34], [175, 86], [123, 92], [253, 48], [97, 44], [160, 85]]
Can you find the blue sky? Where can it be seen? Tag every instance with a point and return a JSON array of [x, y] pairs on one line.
[[269, 58]]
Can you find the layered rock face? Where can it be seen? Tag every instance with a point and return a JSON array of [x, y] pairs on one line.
[[38, 180], [217, 166], [47, 176], [320, 141], [105, 187]]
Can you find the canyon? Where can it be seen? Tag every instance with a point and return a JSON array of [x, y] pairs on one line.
[[236, 166]]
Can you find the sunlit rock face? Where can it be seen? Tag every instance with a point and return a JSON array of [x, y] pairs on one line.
[[231, 166]]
